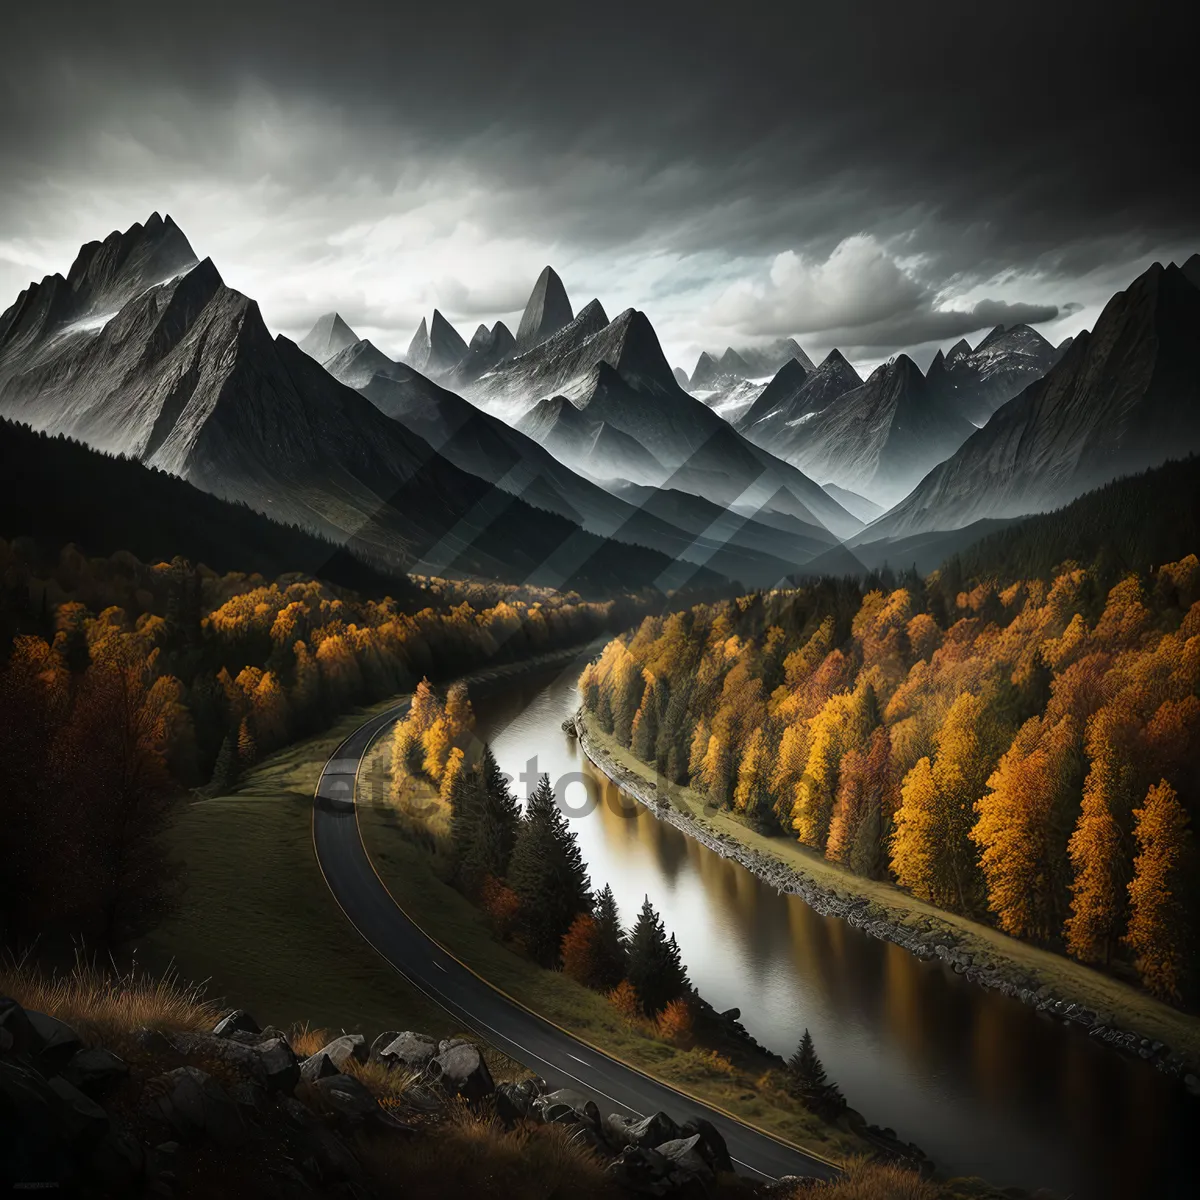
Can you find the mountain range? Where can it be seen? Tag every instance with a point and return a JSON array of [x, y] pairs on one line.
[[571, 453], [1124, 396], [183, 375]]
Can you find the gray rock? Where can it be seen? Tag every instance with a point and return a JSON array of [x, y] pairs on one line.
[[193, 1103], [651, 1131], [317, 1066], [154, 1041], [462, 1071], [712, 1144], [84, 1121], [684, 1155], [59, 1041], [384, 1039], [567, 1096], [18, 1036], [31, 1129], [515, 1101], [449, 1044], [94, 1069], [410, 1051], [248, 1095], [238, 1021], [348, 1046], [279, 1065], [349, 1099], [642, 1170]]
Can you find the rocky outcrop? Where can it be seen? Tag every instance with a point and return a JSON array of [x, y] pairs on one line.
[[927, 938], [235, 1096]]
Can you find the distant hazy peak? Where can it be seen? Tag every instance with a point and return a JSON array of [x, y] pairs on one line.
[[328, 336], [547, 311]]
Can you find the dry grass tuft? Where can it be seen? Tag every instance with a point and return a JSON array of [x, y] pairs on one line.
[[866, 1180], [476, 1156], [305, 1040], [102, 1002]]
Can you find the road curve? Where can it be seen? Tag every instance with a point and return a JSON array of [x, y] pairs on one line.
[[551, 1052]]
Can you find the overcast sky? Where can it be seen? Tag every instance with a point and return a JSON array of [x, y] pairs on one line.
[[878, 177]]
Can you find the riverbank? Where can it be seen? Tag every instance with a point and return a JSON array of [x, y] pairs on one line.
[[1105, 1008]]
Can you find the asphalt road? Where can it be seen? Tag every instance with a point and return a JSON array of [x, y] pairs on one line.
[[559, 1058]]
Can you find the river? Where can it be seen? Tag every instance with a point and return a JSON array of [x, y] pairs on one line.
[[983, 1084]]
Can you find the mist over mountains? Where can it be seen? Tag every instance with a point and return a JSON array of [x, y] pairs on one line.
[[572, 451]]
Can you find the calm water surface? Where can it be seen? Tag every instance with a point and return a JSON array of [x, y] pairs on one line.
[[982, 1083]]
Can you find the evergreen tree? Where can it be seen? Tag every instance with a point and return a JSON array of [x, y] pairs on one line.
[[493, 824], [225, 770], [808, 1083], [548, 875], [654, 966], [612, 951]]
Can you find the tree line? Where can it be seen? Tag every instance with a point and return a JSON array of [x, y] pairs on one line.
[[1023, 752], [124, 683]]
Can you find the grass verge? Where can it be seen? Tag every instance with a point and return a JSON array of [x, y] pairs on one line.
[[258, 923]]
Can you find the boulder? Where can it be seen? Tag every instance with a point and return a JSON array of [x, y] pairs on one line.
[[462, 1071], [18, 1037], [317, 1066], [30, 1125], [280, 1069], [712, 1144], [194, 1104], [349, 1099], [154, 1041], [649, 1131], [59, 1041], [641, 1170], [84, 1121], [95, 1069], [449, 1044], [384, 1039], [515, 1101], [348, 1046], [408, 1051], [238, 1021], [685, 1156], [566, 1096]]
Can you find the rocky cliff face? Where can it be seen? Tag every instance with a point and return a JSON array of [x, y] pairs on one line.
[[793, 395], [1124, 397]]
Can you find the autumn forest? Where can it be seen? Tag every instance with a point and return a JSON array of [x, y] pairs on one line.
[[1022, 753]]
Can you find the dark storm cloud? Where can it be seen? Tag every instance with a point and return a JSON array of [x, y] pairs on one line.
[[976, 140]]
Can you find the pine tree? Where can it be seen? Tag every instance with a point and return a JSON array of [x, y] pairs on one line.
[[225, 770], [654, 966], [548, 875], [493, 819], [246, 749], [1158, 932], [808, 1083], [611, 941]]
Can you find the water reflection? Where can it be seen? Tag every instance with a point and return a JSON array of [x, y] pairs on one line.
[[982, 1083]]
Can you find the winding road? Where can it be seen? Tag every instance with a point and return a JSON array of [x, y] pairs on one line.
[[556, 1055]]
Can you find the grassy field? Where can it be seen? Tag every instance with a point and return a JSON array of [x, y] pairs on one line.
[[257, 920], [1125, 1006]]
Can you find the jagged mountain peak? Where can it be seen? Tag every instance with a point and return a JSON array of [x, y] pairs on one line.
[[791, 374], [996, 333], [328, 336], [1191, 270], [418, 349], [638, 354], [961, 347], [592, 313], [732, 363], [547, 311]]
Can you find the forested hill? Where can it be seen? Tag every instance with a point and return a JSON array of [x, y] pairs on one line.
[[57, 491], [1132, 524]]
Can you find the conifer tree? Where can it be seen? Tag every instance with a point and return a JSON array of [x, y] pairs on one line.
[[225, 770], [611, 941], [493, 818], [548, 875], [654, 966], [808, 1083]]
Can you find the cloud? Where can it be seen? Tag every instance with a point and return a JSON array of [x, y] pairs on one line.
[[860, 295], [669, 156]]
